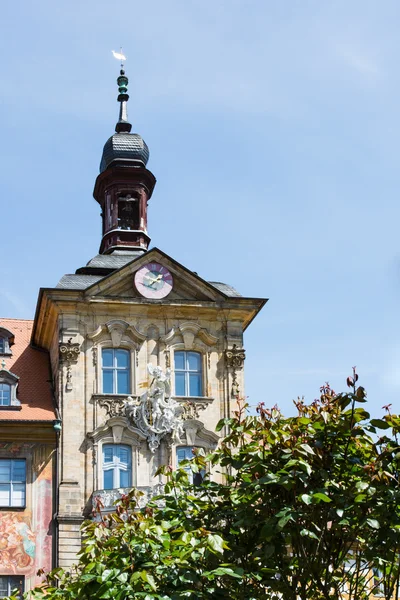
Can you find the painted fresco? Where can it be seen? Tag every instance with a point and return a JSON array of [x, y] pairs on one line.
[[26, 534]]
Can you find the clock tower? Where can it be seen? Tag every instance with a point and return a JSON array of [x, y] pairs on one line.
[[146, 355], [124, 185]]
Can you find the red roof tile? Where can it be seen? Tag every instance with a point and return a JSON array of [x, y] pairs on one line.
[[33, 369]]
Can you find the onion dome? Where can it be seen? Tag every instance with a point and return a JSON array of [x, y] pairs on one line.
[[124, 148]]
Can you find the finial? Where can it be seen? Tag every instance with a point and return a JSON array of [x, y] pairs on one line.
[[3, 364], [123, 125]]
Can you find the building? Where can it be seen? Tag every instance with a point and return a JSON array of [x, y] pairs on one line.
[[99, 336]]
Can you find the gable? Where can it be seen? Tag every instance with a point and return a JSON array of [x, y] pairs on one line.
[[186, 284]]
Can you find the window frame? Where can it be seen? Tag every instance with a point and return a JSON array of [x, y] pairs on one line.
[[5, 383], [12, 586], [114, 369], [12, 481], [187, 371], [116, 466], [194, 478]]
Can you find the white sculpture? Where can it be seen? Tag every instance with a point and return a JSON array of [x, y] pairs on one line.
[[156, 414]]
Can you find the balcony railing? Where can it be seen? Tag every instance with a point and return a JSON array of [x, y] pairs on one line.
[[105, 499]]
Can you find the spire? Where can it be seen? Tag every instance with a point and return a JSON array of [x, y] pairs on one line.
[[123, 125]]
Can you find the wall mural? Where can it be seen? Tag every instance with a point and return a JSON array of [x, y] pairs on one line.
[[26, 535]]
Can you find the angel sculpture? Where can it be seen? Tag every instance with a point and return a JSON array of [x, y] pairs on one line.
[[156, 414]]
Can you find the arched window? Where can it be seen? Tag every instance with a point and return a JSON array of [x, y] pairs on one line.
[[188, 373], [5, 394], [117, 466], [186, 453], [116, 371]]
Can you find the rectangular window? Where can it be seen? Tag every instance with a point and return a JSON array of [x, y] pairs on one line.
[[186, 453], [117, 466], [188, 374], [12, 482], [9, 583], [2, 345], [116, 371], [5, 394]]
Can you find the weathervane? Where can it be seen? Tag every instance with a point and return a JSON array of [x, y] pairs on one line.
[[119, 56]]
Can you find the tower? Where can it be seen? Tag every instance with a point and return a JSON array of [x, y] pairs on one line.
[[109, 327], [124, 185]]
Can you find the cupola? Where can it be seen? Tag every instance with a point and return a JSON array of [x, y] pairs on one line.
[[124, 185]]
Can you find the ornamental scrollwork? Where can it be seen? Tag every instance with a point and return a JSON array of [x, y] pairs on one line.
[[69, 354], [235, 358]]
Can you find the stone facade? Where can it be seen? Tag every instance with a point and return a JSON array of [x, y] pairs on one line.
[[111, 314]]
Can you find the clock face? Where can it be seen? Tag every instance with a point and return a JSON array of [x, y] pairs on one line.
[[153, 281]]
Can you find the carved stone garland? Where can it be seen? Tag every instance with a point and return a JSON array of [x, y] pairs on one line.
[[69, 354], [235, 358]]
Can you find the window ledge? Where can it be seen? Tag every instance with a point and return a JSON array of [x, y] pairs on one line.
[[196, 399], [10, 407]]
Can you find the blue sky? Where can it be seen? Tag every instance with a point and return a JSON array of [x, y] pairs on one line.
[[274, 133]]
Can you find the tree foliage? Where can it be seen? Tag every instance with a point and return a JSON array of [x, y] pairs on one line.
[[308, 507]]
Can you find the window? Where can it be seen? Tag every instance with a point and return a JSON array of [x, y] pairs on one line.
[[188, 374], [6, 341], [186, 453], [116, 371], [117, 466], [12, 482], [5, 394], [8, 583]]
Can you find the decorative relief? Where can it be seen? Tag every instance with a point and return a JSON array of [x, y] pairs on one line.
[[155, 413], [114, 405], [69, 354], [192, 408], [94, 356], [167, 355], [189, 330], [117, 329], [235, 358]]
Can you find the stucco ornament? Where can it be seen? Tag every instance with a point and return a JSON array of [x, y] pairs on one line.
[[155, 413]]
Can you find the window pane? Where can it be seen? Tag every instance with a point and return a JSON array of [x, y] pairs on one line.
[[5, 470], [5, 494], [194, 361], [124, 455], [125, 478], [18, 470], [183, 453], [179, 360], [3, 586], [122, 359], [108, 453], [16, 582], [123, 382], [180, 384], [109, 479], [2, 345], [108, 382], [18, 494], [108, 356], [195, 384]]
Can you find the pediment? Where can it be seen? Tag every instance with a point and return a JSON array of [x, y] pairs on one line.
[[187, 285]]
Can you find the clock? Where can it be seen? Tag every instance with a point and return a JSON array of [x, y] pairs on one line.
[[153, 281]]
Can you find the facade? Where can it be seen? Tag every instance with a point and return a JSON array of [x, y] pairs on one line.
[[139, 359], [27, 458]]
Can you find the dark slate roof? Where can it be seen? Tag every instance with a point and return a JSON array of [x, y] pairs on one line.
[[225, 288], [78, 282], [128, 147], [102, 265]]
